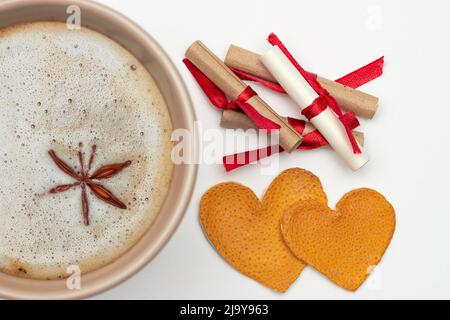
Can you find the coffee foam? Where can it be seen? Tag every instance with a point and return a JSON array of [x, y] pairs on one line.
[[59, 88]]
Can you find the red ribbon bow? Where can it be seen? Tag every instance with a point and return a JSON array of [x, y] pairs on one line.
[[323, 101], [220, 101]]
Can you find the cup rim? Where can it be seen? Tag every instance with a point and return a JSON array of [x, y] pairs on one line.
[[140, 254]]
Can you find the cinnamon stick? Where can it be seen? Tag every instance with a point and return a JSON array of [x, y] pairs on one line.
[[238, 120], [361, 103], [232, 86]]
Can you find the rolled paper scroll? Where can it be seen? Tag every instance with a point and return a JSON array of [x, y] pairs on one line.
[[361, 103], [326, 121], [213, 68], [238, 120]]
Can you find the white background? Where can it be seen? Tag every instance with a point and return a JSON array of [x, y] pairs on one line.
[[407, 140]]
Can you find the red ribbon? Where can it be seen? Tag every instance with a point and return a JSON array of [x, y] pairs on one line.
[[220, 101], [266, 83], [363, 75], [238, 160], [324, 100]]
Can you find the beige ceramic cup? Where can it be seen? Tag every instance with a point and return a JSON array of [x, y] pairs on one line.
[[144, 48]]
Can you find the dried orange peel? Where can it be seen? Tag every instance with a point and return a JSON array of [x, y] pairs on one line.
[[346, 244], [246, 231]]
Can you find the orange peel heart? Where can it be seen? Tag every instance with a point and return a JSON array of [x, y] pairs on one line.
[[346, 244], [246, 231]]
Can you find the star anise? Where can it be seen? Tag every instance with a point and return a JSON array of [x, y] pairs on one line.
[[84, 180]]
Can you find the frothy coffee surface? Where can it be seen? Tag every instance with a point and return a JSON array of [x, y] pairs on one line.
[[59, 88]]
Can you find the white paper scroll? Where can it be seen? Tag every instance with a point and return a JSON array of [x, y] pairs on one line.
[[304, 95]]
